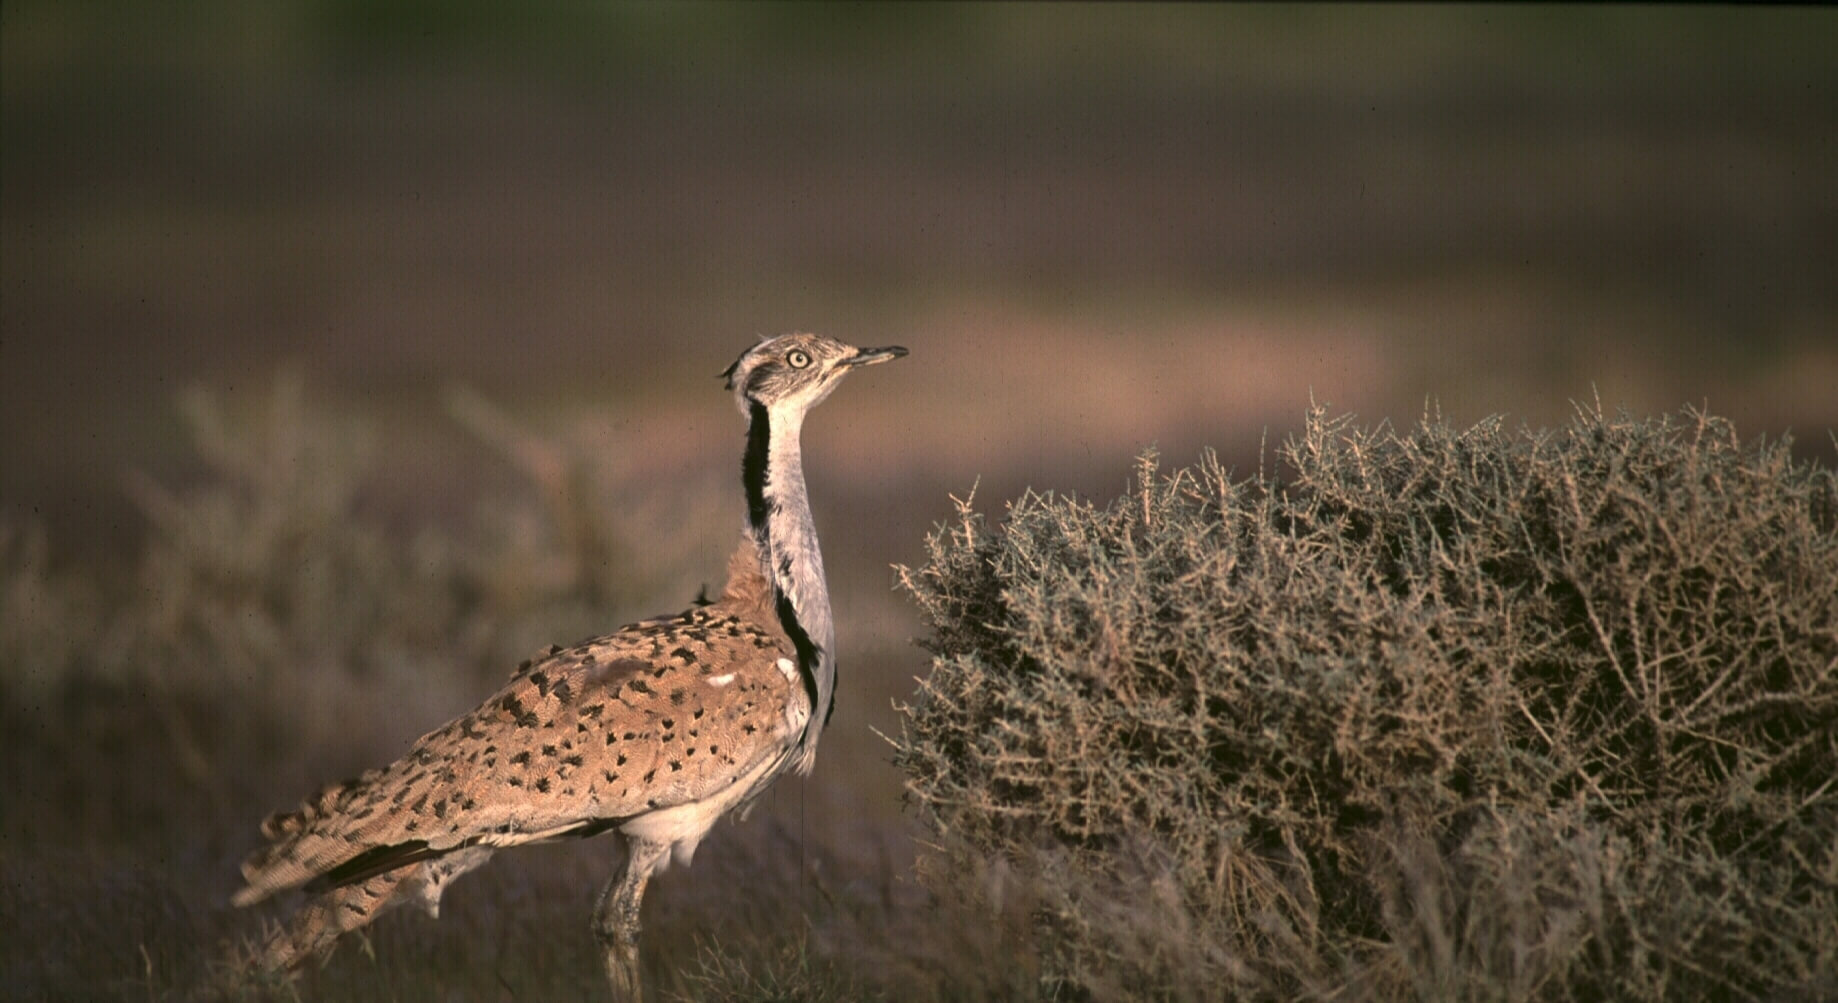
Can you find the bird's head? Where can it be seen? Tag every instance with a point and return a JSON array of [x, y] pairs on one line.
[[797, 371]]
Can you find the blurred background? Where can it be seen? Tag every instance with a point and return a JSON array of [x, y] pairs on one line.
[[1097, 228]]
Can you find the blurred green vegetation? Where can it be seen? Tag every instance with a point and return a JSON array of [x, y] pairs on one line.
[[926, 44], [1498, 207]]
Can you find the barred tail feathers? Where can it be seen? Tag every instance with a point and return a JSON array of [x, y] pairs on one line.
[[299, 848]]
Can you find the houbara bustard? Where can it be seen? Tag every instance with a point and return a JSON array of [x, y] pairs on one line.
[[654, 731]]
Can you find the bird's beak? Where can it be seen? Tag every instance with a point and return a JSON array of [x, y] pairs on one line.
[[870, 356]]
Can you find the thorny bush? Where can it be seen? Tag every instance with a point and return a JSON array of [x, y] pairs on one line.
[[1480, 714]]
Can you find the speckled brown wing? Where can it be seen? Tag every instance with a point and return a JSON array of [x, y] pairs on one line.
[[661, 713]]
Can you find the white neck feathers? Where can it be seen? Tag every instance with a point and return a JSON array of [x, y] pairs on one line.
[[779, 518]]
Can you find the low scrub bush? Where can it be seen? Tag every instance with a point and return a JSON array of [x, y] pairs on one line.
[[1444, 714]]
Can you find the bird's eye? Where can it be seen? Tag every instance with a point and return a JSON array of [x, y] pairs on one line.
[[797, 358]]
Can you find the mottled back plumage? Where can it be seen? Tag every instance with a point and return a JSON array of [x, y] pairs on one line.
[[659, 714]]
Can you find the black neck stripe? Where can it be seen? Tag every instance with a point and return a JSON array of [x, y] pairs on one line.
[[807, 655], [753, 476], [753, 465]]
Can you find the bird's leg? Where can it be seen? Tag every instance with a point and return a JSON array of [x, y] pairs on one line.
[[616, 917]]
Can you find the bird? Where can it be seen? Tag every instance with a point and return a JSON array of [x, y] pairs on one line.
[[652, 732]]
